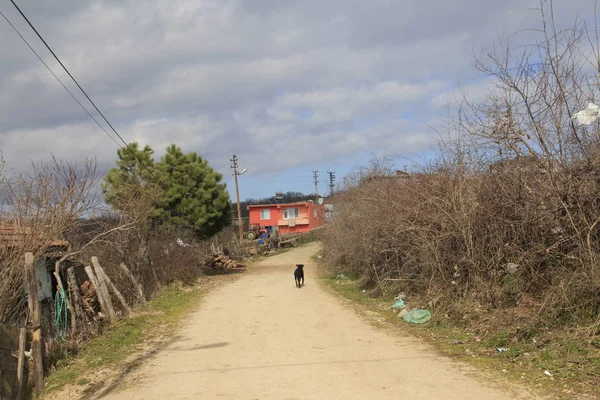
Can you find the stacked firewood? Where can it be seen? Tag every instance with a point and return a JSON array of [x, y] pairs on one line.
[[221, 262], [89, 298]]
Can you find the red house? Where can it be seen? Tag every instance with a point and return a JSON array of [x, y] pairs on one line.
[[289, 218]]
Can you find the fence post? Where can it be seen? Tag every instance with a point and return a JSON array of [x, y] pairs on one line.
[[100, 293], [104, 286], [21, 384], [100, 271], [37, 345], [78, 315], [135, 282]]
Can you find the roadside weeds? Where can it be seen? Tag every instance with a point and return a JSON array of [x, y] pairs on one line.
[[104, 362], [573, 367]]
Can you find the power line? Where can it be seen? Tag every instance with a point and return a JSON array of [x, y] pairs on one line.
[[80, 88], [152, 174], [58, 79], [67, 71]]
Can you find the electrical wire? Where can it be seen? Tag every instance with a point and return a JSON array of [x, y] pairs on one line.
[[58, 79], [80, 88]]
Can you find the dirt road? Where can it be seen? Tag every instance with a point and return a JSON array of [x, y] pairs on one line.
[[261, 338]]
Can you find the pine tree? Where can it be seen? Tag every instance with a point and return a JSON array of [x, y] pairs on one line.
[[194, 195], [187, 192], [132, 176]]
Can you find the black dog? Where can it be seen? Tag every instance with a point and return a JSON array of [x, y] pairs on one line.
[[299, 275]]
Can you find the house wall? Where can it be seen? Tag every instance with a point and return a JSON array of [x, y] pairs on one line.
[[316, 215], [255, 216], [305, 211], [44, 279]]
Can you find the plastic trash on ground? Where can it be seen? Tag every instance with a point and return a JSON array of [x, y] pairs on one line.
[[341, 277], [398, 305], [417, 316]]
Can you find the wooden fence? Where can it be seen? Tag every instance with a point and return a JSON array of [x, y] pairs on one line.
[[103, 289], [14, 369]]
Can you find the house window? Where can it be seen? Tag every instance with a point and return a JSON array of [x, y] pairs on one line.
[[290, 213], [265, 215], [316, 214]]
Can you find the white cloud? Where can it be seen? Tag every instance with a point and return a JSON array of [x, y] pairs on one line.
[[280, 83]]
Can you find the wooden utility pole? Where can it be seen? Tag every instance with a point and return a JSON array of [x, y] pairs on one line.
[[236, 173], [37, 344]]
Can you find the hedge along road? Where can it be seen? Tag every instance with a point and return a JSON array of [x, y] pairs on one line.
[[262, 338]]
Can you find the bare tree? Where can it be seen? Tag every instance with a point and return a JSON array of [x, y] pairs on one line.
[[510, 210]]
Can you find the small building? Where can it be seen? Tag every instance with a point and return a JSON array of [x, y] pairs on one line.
[[288, 218], [16, 240]]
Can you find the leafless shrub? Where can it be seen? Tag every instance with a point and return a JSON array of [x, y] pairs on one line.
[[510, 212], [37, 209]]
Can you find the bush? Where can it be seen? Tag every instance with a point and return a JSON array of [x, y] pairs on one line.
[[508, 215]]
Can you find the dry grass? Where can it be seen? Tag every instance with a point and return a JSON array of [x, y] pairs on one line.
[[574, 364]]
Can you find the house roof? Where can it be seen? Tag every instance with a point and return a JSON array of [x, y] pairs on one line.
[[279, 205], [11, 235]]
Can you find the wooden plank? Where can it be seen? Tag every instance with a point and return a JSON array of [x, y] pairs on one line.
[[111, 286], [8, 362], [7, 384], [99, 293], [37, 344], [78, 317], [21, 382], [104, 286], [9, 337], [136, 284]]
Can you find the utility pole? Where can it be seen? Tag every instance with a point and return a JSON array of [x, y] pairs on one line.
[[316, 179], [331, 182], [236, 173]]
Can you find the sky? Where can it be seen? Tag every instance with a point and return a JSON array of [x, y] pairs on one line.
[[288, 86]]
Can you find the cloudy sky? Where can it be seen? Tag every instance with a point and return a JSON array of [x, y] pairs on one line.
[[288, 86]]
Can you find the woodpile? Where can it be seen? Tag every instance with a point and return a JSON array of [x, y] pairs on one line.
[[220, 262], [89, 298]]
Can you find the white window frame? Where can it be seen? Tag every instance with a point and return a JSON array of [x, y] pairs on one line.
[[286, 213], [267, 212]]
